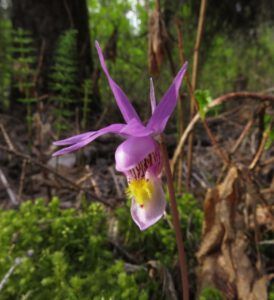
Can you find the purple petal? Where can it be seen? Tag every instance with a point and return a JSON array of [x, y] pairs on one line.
[[152, 210], [122, 101], [165, 108], [132, 151], [74, 139], [114, 128], [152, 96], [137, 129]]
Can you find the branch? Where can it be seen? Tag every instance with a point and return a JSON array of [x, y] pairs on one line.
[[218, 101], [260, 150]]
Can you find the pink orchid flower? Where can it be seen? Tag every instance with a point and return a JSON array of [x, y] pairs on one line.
[[139, 156]]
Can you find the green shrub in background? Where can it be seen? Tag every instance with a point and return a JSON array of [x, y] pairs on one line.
[[70, 255], [211, 293], [64, 78], [67, 254], [5, 62], [24, 72]]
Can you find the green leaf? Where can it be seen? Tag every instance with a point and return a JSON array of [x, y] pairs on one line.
[[204, 99]]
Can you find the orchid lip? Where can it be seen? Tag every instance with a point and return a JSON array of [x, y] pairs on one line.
[[147, 213]]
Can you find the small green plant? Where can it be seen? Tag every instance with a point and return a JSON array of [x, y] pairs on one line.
[[268, 124], [5, 62], [64, 78], [23, 60], [204, 99], [86, 101]]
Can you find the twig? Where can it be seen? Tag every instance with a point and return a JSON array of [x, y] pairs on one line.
[[197, 44], [101, 119], [180, 106], [260, 150], [267, 191], [40, 63], [268, 161], [242, 136], [69, 14], [236, 146], [6, 137], [22, 178], [243, 95], [129, 258], [4, 281], [6, 185], [182, 141], [246, 129], [261, 124], [57, 174], [93, 182], [176, 223], [215, 102], [114, 177], [268, 242], [193, 84]]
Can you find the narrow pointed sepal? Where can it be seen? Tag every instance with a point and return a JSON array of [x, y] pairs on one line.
[[122, 101], [165, 108], [84, 139]]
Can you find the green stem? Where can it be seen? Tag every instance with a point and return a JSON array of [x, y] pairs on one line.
[[176, 222]]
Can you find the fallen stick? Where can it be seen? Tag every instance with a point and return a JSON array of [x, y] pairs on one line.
[[60, 176]]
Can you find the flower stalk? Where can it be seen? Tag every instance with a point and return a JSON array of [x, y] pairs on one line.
[[176, 222]]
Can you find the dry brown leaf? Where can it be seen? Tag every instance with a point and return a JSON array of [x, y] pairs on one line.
[[226, 256]]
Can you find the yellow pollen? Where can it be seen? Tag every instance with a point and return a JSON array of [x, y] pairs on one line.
[[141, 190]]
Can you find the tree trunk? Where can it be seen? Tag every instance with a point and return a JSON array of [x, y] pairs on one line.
[[47, 20]]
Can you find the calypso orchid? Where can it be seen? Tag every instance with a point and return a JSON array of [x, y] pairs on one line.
[[139, 156]]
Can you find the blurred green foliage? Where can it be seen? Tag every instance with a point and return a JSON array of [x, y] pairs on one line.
[[64, 78], [211, 293], [67, 254], [129, 66], [5, 62], [204, 98], [268, 125], [87, 88], [23, 61], [228, 62], [239, 63]]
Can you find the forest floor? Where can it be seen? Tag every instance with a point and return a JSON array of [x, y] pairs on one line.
[[28, 171]]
